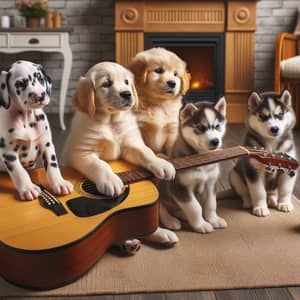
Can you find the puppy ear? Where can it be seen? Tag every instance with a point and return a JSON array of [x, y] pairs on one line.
[[136, 104], [185, 83], [84, 97], [253, 100], [220, 106], [4, 89], [187, 112], [47, 79], [138, 67], [286, 98]]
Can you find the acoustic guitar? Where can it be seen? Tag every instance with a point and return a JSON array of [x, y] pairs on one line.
[[52, 241]]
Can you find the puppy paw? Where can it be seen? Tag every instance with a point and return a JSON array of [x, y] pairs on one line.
[[164, 237], [162, 169], [217, 222], [285, 207], [203, 227], [62, 187], [29, 192], [261, 211], [111, 185], [131, 247], [172, 223], [272, 200]]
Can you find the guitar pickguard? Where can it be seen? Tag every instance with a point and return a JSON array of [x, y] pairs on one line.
[[86, 206]]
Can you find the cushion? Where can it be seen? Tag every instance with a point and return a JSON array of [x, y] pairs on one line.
[[290, 68]]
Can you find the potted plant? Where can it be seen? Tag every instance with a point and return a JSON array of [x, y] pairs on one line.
[[33, 11]]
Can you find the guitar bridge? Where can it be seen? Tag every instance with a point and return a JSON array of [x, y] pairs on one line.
[[49, 201]]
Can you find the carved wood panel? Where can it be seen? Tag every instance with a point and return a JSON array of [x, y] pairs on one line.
[[128, 45], [239, 62]]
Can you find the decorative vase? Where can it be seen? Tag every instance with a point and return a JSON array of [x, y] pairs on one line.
[[32, 22]]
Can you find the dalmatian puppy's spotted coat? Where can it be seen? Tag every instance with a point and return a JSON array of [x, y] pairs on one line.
[[25, 134]]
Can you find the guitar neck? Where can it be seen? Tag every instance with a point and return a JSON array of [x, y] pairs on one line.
[[206, 158], [184, 163]]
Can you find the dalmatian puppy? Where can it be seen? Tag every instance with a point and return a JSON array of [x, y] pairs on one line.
[[25, 134]]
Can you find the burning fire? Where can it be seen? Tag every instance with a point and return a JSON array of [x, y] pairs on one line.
[[196, 84], [202, 84]]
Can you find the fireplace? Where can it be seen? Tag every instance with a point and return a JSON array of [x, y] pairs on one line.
[[227, 28], [204, 55]]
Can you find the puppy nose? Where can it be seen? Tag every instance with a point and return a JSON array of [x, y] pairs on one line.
[[37, 97], [126, 95], [171, 83], [214, 142], [274, 129]]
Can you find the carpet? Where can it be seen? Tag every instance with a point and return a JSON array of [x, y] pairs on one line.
[[251, 252]]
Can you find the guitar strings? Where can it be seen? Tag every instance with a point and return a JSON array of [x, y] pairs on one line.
[[51, 197]]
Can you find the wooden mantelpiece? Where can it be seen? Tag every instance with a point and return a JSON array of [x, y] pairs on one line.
[[236, 18]]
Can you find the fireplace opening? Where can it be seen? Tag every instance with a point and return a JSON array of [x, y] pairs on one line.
[[204, 55]]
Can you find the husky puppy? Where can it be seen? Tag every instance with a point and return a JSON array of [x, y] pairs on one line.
[[269, 125], [193, 192]]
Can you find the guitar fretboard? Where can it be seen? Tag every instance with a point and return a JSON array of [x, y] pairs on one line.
[[183, 163]]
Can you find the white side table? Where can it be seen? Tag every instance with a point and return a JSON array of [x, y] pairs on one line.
[[15, 40]]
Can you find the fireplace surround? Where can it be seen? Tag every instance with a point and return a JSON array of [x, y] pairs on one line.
[[136, 20]]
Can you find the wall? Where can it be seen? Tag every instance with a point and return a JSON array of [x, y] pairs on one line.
[[273, 16], [92, 39]]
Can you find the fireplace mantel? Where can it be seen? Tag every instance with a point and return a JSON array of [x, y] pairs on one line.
[[237, 19]]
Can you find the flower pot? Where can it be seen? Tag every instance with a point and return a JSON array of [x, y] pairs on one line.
[[33, 22]]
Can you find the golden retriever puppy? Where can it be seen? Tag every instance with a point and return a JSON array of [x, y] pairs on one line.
[[161, 79], [104, 128]]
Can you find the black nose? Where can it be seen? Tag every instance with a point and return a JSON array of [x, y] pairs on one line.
[[171, 83], [274, 129], [126, 95], [214, 142]]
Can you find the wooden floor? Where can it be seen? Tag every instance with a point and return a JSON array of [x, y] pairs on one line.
[[233, 137]]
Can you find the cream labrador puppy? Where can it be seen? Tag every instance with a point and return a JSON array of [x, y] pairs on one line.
[[104, 128]]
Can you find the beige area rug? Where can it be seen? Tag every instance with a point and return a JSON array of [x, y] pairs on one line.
[[251, 252]]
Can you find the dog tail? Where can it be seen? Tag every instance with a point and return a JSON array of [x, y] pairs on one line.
[[227, 194]]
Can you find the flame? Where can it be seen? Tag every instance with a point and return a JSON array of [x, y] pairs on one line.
[[196, 84]]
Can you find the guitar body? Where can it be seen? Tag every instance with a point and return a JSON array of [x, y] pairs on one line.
[[41, 250]]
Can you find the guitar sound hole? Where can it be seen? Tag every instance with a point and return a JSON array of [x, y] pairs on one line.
[[90, 188]]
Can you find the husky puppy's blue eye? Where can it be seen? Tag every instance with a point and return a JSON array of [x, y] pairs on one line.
[[280, 116], [218, 127], [263, 118], [159, 70], [107, 83]]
